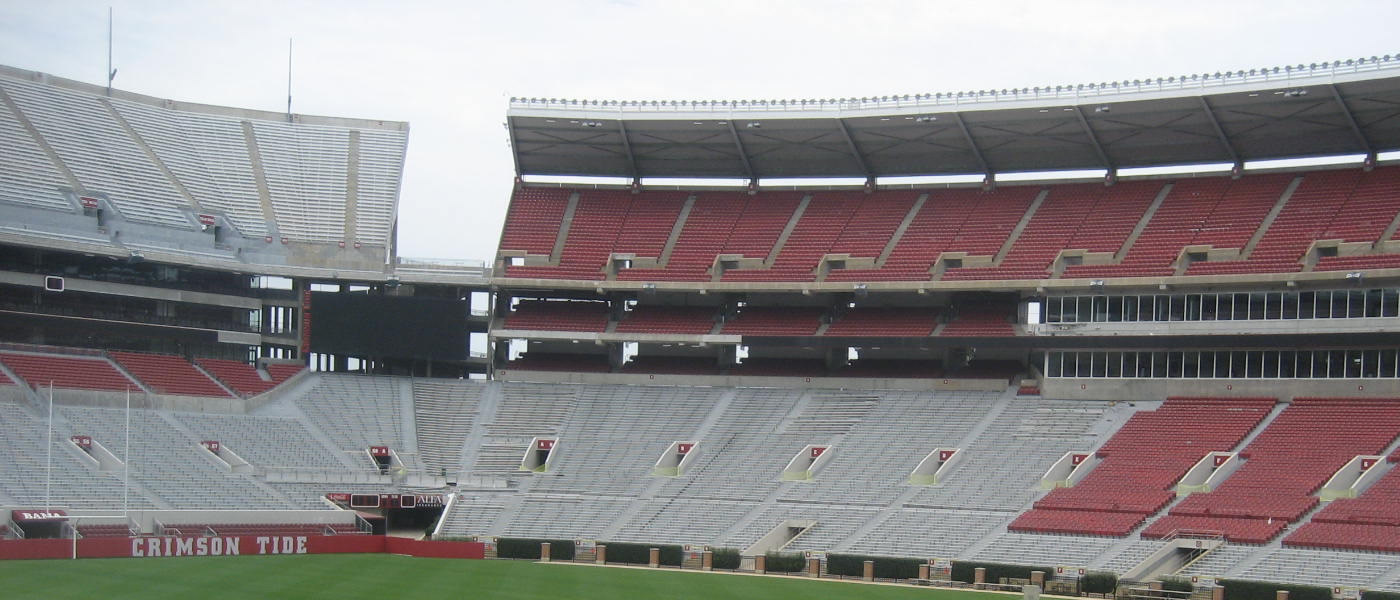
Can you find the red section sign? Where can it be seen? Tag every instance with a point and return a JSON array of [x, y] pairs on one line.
[[1367, 463], [1075, 459], [378, 450], [818, 450], [684, 448], [341, 497], [83, 441], [944, 455], [1221, 458], [544, 444], [27, 516], [206, 220], [211, 445], [88, 201]]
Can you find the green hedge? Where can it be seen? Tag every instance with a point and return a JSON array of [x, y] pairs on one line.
[[886, 567], [530, 548], [966, 571], [725, 558], [1177, 584], [1374, 595], [781, 562], [640, 554], [1239, 589], [1098, 583]]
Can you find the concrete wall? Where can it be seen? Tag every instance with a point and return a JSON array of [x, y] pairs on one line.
[[990, 385]]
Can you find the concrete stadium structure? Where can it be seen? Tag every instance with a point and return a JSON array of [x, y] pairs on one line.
[[1013, 367]]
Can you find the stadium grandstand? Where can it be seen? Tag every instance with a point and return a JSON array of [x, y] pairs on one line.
[[1128, 327]]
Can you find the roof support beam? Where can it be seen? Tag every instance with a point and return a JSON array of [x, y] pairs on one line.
[[855, 151], [1094, 140], [1351, 121], [627, 148], [743, 154], [514, 149], [972, 143], [1220, 132]]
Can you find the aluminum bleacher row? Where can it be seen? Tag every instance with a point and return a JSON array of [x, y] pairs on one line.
[[1348, 205], [602, 486], [155, 162]]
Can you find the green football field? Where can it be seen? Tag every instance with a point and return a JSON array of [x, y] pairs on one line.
[[382, 577]]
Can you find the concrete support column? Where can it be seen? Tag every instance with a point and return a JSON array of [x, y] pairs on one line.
[[979, 577], [602, 556], [814, 567], [544, 551], [1218, 593], [868, 571], [707, 561], [1038, 579], [760, 564], [654, 559]]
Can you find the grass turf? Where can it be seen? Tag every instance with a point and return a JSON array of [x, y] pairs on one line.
[[379, 576]]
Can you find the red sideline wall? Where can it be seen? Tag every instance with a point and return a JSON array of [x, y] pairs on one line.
[[427, 549], [152, 547]]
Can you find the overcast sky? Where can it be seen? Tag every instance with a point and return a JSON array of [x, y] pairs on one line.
[[448, 68]]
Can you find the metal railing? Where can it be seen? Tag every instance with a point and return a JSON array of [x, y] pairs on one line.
[[951, 100]]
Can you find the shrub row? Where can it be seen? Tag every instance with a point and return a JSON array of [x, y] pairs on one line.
[[1177, 584], [729, 558], [1098, 583], [886, 567], [967, 571], [1239, 589], [530, 548], [780, 562], [1375, 595], [640, 554]]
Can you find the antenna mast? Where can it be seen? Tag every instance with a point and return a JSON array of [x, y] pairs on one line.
[[111, 73], [289, 80]]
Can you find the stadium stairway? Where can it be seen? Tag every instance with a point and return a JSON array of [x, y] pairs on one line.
[[1389, 580], [290, 409], [408, 431], [486, 407], [254, 481]]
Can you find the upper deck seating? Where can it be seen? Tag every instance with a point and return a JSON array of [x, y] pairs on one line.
[[558, 316]]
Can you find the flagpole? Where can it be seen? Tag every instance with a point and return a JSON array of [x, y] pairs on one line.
[[126, 458], [48, 460]]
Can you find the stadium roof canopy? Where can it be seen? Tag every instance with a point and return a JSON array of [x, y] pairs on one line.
[[1343, 107]]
